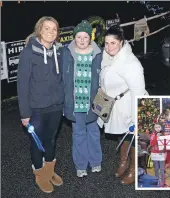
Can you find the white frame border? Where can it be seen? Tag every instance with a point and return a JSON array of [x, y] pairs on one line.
[[136, 143]]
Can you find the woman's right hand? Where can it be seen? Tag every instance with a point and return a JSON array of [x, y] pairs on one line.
[[25, 121]]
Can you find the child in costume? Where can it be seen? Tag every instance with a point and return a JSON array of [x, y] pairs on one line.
[[158, 157]]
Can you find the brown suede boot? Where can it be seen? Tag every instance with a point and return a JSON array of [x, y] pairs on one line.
[[42, 180], [123, 159], [53, 177], [129, 178]]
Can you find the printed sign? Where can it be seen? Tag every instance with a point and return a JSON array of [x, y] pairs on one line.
[[13, 50], [66, 35], [4, 71], [112, 22]]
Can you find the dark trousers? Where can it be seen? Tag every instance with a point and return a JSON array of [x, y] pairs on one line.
[[46, 126]]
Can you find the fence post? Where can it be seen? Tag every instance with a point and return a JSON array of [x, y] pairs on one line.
[[161, 106], [145, 43], [145, 39]]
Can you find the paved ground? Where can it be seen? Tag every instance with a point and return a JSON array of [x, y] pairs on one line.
[[18, 180]]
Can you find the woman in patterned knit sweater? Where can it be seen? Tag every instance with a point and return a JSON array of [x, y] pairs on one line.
[[81, 61], [158, 157]]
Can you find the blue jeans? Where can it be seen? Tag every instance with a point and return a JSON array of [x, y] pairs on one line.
[[159, 166], [46, 126], [86, 143]]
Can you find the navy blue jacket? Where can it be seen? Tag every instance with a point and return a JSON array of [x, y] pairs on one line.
[[68, 61], [39, 86]]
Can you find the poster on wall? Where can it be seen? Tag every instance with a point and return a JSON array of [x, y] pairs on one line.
[[66, 35], [13, 50], [4, 71]]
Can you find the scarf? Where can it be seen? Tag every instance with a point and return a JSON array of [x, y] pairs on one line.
[[121, 55]]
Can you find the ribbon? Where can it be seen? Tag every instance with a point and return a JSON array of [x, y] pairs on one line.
[[35, 137]]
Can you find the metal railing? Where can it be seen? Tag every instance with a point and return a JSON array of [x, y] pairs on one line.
[[152, 33]]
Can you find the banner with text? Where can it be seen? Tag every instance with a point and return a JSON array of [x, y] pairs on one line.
[[66, 35], [4, 71], [13, 50]]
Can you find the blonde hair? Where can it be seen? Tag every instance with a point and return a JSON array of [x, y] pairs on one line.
[[28, 37], [38, 27]]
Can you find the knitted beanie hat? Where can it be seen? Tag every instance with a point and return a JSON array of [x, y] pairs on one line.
[[84, 26]]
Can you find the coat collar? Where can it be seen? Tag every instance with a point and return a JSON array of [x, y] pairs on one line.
[[123, 54]]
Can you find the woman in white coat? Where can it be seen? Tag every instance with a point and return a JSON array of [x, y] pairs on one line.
[[121, 71]]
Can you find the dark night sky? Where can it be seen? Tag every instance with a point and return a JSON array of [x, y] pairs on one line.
[[18, 20]]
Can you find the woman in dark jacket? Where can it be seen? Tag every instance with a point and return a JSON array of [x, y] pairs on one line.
[[81, 62], [41, 97]]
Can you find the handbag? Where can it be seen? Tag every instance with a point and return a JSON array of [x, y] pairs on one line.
[[103, 104]]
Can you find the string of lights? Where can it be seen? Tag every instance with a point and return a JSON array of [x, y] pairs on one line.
[[155, 8]]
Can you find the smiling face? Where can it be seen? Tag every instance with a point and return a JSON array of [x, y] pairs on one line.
[[48, 33], [157, 128], [112, 45], [82, 40]]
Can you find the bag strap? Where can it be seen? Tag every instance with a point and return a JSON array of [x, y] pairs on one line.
[[121, 95], [118, 97]]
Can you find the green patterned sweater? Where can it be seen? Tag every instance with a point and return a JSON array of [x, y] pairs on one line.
[[83, 82]]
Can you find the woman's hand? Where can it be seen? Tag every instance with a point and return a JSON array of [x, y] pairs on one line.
[[25, 121]]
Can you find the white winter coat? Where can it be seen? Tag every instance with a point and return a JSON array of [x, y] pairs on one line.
[[119, 73]]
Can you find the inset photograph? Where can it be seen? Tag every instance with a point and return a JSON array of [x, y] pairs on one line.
[[153, 143]]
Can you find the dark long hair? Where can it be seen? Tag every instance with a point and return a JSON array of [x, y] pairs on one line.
[[117, 32]]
